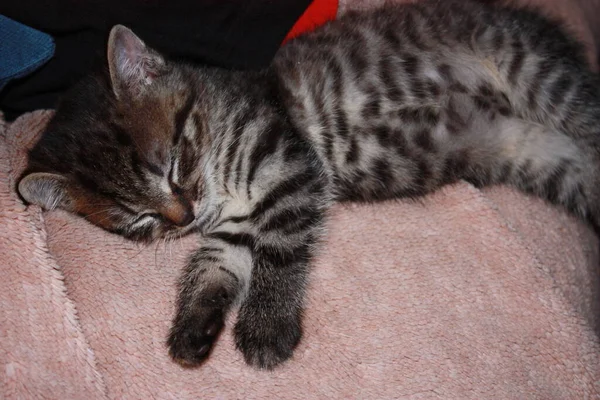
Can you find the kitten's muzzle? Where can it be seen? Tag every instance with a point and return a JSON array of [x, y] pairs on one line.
[[178, 213]]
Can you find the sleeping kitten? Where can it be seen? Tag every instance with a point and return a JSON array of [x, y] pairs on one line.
[[384, 104]]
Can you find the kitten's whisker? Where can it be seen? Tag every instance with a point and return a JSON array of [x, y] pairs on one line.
[[100, 211], [165, 247], [170, 243], [102, 204], [100, 220], [155, 252], [143, 247]]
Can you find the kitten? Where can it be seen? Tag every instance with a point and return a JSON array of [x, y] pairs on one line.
[[389, 103]]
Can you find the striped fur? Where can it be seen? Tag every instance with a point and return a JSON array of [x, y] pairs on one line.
[[378, 105]]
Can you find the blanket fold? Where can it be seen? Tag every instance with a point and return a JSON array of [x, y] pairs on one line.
[[43, 352]]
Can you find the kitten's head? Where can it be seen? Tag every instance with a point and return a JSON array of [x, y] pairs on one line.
[[116, 151]]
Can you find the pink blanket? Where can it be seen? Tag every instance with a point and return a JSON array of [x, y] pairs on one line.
[[464, 295]]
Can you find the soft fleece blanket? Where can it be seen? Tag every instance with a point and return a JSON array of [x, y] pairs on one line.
[[463, 295]]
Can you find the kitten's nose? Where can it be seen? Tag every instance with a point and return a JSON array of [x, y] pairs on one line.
[[179, 213]]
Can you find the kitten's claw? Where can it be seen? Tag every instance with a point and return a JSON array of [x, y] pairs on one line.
[[192, 337], [266, 340]]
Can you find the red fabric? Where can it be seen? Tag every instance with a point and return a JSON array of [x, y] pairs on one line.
[[317, 13]]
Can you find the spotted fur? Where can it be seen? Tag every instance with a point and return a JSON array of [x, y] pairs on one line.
[[382, 104]]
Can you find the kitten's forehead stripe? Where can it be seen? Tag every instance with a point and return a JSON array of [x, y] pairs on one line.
[[187, 160], [182, 115]]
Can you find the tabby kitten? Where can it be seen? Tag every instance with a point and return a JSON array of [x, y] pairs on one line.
[[389, 103]]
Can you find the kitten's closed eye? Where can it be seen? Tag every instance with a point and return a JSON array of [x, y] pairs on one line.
[[147, 217]]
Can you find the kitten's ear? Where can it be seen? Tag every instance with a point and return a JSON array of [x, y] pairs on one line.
[[48, 191], [131, 63]]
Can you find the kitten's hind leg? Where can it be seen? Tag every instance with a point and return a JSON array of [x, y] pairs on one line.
[[536, 159]]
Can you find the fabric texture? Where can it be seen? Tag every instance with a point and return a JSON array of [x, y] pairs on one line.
[[22, 50], [231, 34], [465, 294]]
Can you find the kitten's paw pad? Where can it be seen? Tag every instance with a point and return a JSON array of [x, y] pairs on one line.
[[191, 338], [267, 343]]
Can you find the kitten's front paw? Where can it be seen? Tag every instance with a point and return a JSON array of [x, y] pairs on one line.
[[197, 325], [265, 338], [192, 336]]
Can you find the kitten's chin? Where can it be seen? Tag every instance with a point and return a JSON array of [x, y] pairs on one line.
[[179, 232]]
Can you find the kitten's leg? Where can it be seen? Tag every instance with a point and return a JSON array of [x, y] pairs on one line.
[[288, 222], [542, 161], [260, 260], [538, 159], [555, 101], [214, 278], [270, 320]]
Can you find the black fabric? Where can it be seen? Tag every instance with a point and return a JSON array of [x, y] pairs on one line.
[[240, 34]]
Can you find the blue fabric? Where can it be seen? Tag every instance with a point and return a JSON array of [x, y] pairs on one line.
[[22, 50]]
